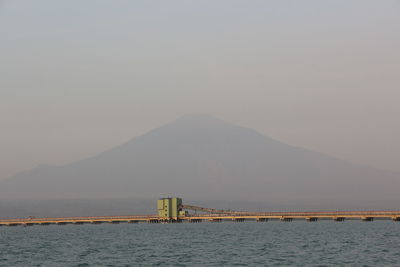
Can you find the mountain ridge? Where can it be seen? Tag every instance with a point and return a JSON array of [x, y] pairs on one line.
[[202, 156]]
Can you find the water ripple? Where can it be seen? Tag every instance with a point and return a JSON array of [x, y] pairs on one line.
[[324, 243]]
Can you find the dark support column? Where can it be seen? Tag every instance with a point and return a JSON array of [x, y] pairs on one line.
[[367, 219], [338, 219]]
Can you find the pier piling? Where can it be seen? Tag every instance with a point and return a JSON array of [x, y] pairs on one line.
[[338, 219], [367, 219]]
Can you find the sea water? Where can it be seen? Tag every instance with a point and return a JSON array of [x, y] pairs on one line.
[[273, 243]]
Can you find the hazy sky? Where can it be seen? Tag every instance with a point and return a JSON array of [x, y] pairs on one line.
[[78, 77]]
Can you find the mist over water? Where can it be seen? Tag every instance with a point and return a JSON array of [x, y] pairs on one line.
[[79, 77]]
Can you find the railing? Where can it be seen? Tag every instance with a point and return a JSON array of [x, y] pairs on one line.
[[56, 219], [295, 213]]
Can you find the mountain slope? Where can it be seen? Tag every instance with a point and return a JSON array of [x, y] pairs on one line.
[[200, 157]]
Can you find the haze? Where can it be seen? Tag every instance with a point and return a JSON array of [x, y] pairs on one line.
[[79, 77]]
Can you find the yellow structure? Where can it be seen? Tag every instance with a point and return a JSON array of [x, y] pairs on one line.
[[170, 208]]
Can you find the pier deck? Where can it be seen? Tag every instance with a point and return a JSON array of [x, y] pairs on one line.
[[238, 217]]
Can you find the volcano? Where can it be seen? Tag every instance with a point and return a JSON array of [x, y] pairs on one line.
[[202, 157]]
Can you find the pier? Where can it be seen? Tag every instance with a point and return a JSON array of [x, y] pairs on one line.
[[171, 210]]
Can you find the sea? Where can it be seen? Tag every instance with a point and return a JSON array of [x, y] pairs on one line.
[[272, 243]]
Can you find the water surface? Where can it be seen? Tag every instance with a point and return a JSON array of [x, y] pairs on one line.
[[299, 243]]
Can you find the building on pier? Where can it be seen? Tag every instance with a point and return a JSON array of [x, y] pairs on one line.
[[170, 208]]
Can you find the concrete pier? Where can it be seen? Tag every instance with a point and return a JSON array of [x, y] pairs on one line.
[[171, 210]]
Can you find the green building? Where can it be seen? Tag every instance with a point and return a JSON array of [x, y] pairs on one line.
[[170, 207]]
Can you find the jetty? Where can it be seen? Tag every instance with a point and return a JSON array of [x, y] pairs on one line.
[[172, 210]]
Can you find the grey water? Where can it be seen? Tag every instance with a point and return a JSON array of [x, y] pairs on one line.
[[298, 243]]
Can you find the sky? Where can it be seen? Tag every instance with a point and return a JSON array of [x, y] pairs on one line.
[[80, 77]]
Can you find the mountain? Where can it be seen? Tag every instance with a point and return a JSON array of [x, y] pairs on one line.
[[200, 157]]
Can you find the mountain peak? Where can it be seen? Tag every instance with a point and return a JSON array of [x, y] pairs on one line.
[[199, 118], [190, 123]]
